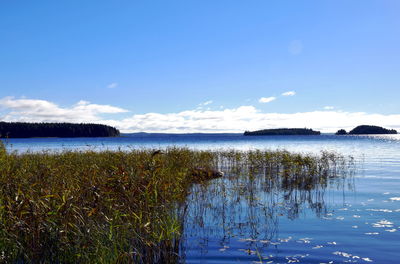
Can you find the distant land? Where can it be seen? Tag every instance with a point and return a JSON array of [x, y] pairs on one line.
[[366, 129], [282, 132], [151, 134], [29, 130]]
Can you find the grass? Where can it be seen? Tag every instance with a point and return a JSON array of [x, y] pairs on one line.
[[124, 207]]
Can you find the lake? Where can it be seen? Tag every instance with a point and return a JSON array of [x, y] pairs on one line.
[[356, 220]]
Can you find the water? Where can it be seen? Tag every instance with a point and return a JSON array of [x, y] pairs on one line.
[[356, 221]]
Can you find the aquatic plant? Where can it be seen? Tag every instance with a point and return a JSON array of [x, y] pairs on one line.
[[115, 206], [247, 203]]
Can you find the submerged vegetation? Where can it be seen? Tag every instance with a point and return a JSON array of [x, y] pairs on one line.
[[283, 132], [28, 130], [102, 207]]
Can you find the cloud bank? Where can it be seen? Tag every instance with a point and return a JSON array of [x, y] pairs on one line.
[[198, 120], [249, 118]]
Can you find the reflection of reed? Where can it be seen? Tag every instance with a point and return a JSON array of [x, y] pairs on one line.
[[257, 188]]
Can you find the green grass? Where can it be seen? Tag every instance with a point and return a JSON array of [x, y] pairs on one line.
[[124, 207]]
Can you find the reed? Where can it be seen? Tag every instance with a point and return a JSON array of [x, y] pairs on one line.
[[125, 207]]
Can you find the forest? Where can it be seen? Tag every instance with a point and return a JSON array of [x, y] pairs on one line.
[[367, 129], [28, 130], [282, 132]]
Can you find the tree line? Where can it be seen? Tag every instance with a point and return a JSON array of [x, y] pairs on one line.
[[282, 131], [27, 130], [366, 129]]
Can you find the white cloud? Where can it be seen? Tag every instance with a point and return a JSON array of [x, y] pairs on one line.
[[289, 93], [112, 85], [329, 107], [206, 103], [295, 47], [266, 99], [249, 118], [191, 121], [33, 110], [198, 120]]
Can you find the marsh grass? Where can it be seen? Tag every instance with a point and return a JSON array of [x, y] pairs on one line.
[[124, 207]]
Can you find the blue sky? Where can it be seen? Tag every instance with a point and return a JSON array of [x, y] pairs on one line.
[[201, 66]]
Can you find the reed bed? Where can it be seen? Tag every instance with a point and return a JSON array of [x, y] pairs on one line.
[[124, 207]]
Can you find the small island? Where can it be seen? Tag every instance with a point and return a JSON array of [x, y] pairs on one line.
[[366, 129], [341, 132], [282, 132], [62, 130]]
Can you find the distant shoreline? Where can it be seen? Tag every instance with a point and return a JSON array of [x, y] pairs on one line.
[[55, 130], [283, 132]]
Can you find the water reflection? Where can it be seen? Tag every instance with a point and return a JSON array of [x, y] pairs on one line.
[[246, 205]]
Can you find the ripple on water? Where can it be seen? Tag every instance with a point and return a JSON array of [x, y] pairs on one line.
[[383, 223]]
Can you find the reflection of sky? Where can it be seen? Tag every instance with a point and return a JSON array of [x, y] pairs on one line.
[[237, 220], [359, 225]]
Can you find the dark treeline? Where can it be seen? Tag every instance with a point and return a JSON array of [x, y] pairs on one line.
[[282, 131], [365, 130], [27, 130]]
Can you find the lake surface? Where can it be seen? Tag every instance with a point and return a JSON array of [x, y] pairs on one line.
[[356, 220]]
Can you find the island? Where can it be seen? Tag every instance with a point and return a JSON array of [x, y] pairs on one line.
[[341, 132], [62, 130], [367, 129], [282, 132]]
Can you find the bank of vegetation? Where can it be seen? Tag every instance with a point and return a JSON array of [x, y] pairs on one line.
[[366, 130], [283, 132], [28, 130], [125, 207]]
